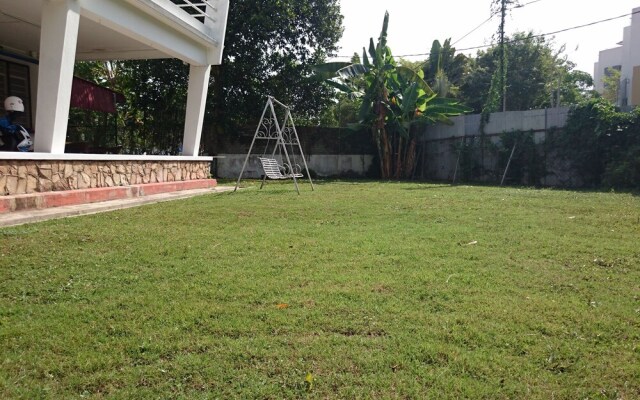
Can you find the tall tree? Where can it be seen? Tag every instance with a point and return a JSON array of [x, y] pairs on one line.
[[269, 48], [156, 92], [611, 83], [575, 86], [535, 70], [445, 69]]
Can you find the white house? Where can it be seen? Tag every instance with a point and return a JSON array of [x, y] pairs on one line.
[[59, 32], [626, 59], [40, 40]]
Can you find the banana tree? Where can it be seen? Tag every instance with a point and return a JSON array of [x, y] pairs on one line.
[[394, 99]]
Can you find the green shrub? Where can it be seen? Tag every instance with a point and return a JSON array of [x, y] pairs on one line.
[[601, 144]]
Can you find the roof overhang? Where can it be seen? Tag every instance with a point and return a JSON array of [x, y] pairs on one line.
[[121, 29]]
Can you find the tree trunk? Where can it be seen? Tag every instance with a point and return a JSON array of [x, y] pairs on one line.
[[410, 158], [386, 153], [399, 158], [215, 133], [375, 133], [381, 139]]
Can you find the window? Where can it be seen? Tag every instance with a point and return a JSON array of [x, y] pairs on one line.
[[15, 81], [608, 71]]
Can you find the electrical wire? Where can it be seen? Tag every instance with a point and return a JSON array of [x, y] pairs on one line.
[[491, 17], [476, 28], [517, 40]]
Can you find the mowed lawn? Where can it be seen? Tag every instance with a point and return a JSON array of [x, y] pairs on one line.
[[355, 290]]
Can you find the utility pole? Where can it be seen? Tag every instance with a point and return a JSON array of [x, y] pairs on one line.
[[503, 60], [558, 92]]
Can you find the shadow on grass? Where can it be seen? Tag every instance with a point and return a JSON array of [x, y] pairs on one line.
[[415, 185], [585, 190]]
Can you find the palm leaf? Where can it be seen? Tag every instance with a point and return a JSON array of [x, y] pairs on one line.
[[352, 71], [452, 104], [410, 76], [329, 68], [382, 41], [409, 98], [365, 59], [341, 86], [376, 59]]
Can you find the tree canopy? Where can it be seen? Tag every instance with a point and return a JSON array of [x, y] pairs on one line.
[[444, 69], [269, 48], [535, 75]]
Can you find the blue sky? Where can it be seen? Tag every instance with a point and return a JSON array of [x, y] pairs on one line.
[[414, 24]]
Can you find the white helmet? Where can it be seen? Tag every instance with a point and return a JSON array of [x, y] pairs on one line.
[[13, 103]]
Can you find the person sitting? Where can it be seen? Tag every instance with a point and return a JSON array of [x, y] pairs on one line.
[[14, 108], [13, 136]]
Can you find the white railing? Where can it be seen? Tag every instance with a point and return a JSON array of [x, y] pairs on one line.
[[201, 10], [206, 19]]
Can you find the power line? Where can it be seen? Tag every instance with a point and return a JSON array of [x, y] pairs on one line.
[[491, 17], [475, 29], [525, 4], [517, 40]]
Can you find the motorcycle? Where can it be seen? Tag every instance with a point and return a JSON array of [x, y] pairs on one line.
[[16, 140]]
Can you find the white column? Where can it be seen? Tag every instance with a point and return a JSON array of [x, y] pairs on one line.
[[58, 38], [196, 101]]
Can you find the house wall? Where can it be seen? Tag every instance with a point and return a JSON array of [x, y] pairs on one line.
[[631, 54], [607, 59], [635, 86], [627, 56]]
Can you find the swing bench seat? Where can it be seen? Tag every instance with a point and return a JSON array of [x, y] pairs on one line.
[[273, 170]]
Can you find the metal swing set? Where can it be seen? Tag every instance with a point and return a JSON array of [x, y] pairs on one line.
[[284, 134]]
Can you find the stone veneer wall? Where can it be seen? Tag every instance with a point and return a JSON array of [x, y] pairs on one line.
[[29, 176]]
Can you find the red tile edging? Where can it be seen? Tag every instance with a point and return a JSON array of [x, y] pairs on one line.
[[23, 202]]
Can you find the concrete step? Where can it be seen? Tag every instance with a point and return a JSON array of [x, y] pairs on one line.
[[44, 200]]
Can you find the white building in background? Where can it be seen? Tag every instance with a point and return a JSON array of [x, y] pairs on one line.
[[626, 59]]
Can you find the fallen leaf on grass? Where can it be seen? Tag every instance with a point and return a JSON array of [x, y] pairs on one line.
[[601, 262], [282, 306], [308, 380]]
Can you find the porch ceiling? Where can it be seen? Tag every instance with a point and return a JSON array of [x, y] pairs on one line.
[[20, 31]]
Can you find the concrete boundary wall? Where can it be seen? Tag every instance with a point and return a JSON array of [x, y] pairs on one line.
[[323, 165], [440, 142], [338, 152], [469, 125]]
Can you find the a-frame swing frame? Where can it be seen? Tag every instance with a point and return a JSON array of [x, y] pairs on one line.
[[285, 135]]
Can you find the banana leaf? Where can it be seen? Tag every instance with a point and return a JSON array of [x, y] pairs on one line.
[[365, 59], [352, 71], [340, 86]]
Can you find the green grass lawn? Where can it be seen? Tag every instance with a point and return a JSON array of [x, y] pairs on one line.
[[355, 290]]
